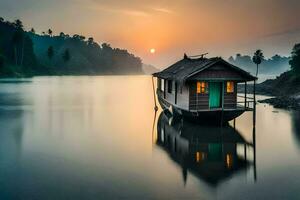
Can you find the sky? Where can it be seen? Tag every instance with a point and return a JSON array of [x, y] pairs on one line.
[[171, 27]]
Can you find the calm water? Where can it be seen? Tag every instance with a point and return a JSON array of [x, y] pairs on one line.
[[93, 138]]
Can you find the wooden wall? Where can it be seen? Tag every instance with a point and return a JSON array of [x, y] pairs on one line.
[[201, 101], [230, 99], [197, 101], [188, 99], [182, 94], [218, 71]]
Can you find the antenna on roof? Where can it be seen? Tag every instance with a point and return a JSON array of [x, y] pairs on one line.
[[200, 55]]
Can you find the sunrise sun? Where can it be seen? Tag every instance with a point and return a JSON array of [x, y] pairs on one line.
[[152, 50]]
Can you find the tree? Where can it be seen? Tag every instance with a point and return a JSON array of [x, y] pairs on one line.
[[78, 37], [257, 59], [295, 60], [50, 32], [2, 59], [62, 34], [16, 41], [81, 38], [66, 55], [32, 30], [18, 24], [90, 41], [50, 52], [231, 59]]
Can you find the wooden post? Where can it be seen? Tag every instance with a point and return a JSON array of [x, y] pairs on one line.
[[254, 133], [245, 152], [254, 105], [234, 123], [245, 95], [165, 83], [176, 92], [155, 105], [222, 103], [254, 153]]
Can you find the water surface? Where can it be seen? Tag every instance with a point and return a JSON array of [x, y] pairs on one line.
[[95, 138]]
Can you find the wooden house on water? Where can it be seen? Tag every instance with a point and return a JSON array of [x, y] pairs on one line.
[[204, 89]]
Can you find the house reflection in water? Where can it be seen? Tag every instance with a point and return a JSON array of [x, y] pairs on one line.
[[210, 153]]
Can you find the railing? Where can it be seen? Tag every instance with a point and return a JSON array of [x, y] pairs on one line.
[[246, 102]]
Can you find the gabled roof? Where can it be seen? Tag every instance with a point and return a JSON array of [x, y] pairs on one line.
[[187, 67]]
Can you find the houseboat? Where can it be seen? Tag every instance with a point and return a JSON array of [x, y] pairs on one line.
[[204, 89]]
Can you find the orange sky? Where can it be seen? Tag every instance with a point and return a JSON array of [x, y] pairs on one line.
[[220, 27]]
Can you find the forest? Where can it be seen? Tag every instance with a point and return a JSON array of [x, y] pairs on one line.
[[275, 65], [26, 53]]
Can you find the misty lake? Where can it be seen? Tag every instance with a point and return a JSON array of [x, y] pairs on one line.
[[99, 138]]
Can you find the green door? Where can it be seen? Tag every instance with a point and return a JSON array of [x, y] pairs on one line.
[[214, 151], [215, 94]]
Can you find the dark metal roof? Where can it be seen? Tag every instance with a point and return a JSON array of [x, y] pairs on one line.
[[187, 67]]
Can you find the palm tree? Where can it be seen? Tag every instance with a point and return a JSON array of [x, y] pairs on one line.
[[50, 32], [257, 59], [32, 30]]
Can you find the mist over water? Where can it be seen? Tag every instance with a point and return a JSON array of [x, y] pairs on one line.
[[93, 138]]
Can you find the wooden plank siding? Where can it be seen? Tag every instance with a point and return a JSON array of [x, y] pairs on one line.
[[217, 72], [230, 99], [197, 101], [201, 101]]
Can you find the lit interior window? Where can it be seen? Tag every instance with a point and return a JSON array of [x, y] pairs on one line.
[[200, 156], [230, 87], [201, 87], [229, 161]]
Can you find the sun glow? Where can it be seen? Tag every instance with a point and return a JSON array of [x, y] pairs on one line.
[[152, 50]]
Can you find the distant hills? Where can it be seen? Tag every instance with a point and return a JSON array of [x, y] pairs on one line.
[[25, 53], [149, 69], [287, 83], [273, 66]]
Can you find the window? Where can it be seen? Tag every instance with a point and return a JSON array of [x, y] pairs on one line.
[[229, 161], [170, 83], [200, 156], [230, 87], [202, 87], [162, 84]]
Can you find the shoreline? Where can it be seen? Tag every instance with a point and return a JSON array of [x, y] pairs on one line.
[[283, 102]]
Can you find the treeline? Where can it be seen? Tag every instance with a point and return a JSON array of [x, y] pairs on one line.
[[273, 66], [16, 50], [25, 53], [288, 83]]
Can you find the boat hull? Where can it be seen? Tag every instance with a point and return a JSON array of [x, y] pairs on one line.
[[205, 116]]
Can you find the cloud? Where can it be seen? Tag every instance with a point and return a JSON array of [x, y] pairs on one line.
[[164, 10], [129, 7], [283, 33], [124, 11]]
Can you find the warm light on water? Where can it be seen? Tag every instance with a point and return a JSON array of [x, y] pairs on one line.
[[93, 138]]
